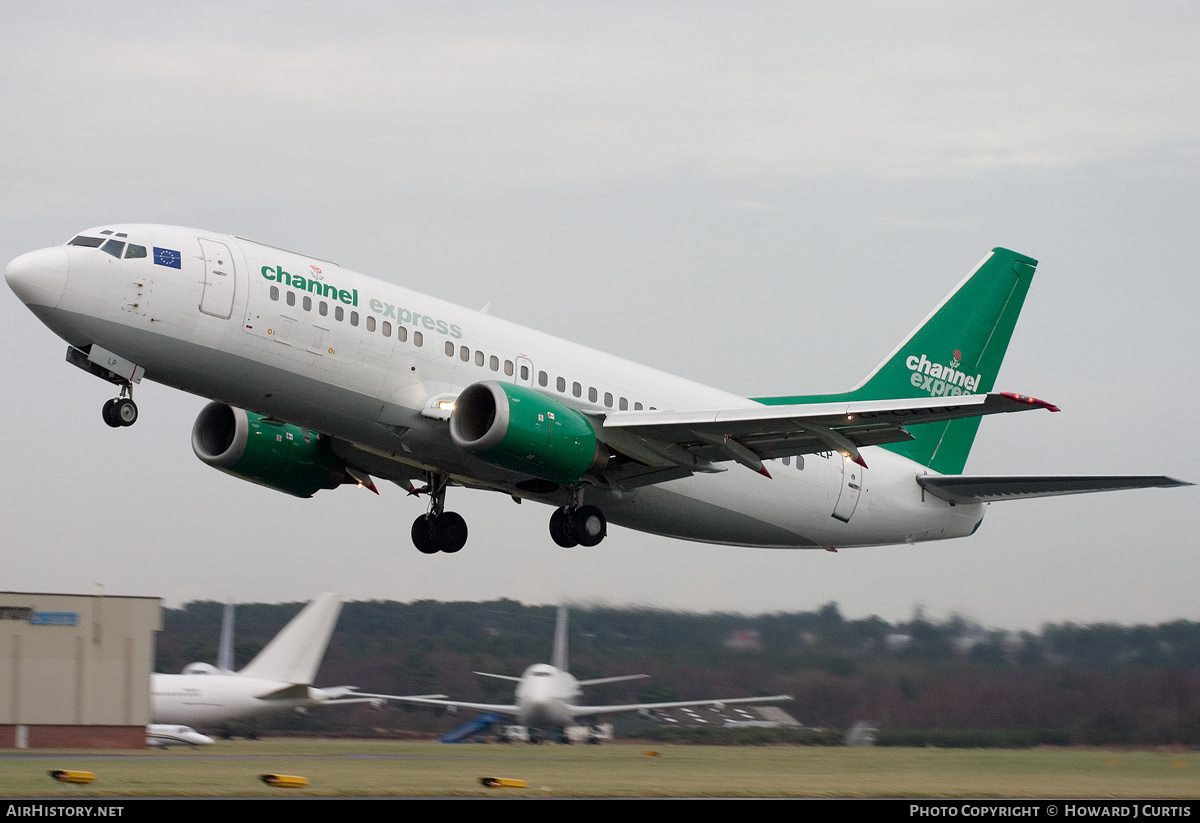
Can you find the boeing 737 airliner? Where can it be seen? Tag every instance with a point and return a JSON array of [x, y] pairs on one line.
[[320, 376]]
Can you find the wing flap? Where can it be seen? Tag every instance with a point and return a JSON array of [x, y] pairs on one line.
[[989, 488], [699, 439]]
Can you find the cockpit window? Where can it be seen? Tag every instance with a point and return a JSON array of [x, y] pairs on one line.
[[110, 245]]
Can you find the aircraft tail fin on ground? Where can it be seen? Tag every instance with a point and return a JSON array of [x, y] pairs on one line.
[[225, 650], [956, 350], [294, 655], [558, 657]]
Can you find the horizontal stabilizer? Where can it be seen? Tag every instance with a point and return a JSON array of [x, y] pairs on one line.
[[986, 488]]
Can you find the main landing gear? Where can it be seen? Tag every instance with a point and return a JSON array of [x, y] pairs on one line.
[[573, 526], [439, 530], [121, 410]]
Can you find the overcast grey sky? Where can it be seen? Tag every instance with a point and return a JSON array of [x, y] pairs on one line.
[[761, 196]]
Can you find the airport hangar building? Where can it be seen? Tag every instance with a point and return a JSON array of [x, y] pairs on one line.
[[75, 669]]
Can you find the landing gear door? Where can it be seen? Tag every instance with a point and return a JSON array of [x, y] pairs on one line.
[[852, 483], [220, 279]]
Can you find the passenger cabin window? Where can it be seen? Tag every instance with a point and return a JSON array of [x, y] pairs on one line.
[[592, 394], [387, 329], [449, 349], [478, 358], [624, 404], [339, 313], [576, 389], [307, 303], [291, 298], [543, 378], [561, 384], [275, 292], [637, 406], [494, 363], [401, 333], [353, 318], [418, 339], [508, 369], [370, 323], [608, 399], [464, 354], [322, 308]]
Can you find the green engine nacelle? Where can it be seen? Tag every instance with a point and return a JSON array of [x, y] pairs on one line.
[[265, 451], [518, 428]]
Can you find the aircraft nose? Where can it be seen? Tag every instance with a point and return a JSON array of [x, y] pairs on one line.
[[39, 278]]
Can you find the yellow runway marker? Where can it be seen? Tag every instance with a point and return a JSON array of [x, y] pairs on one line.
[[284, 781]]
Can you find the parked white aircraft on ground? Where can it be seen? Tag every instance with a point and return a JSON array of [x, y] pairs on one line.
[[164, 735], [321, 376], [547, 695], [279, 678]]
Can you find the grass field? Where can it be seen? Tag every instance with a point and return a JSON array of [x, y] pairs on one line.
[[374, 768]]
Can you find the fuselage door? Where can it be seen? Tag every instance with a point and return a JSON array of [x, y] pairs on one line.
[[852, 483], [220, 279]]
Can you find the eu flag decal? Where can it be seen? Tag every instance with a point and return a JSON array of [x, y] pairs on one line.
[[167, 257]]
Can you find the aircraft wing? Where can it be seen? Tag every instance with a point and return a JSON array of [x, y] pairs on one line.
[[989, 488], [506, 709], [695, 441], [350, 694], [617, 679], [591, 711]]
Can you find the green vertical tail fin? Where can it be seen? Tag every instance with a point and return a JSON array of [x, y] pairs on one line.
[[957, 349]]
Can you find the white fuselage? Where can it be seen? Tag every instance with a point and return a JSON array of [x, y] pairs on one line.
[[545, 697], [304, 340], [213, 699]]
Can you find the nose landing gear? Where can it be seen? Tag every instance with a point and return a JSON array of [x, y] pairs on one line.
[[121, 411]]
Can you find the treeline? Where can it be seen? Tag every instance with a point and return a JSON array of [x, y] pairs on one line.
[[1068, 683]]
